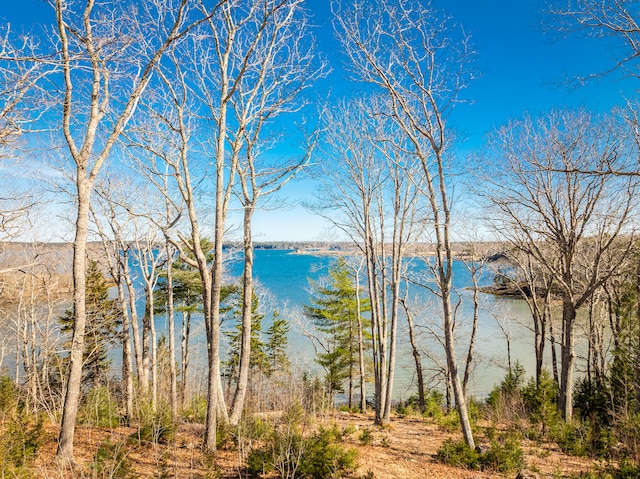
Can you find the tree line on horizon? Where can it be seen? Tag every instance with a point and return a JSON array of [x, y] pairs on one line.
[[160, 118]]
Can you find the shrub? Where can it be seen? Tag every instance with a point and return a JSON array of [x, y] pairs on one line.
[[20, 443], [158, 427], [8, 394], [584, 439], [226, 436], [540, 401], [324, 457], [110, 460], [433, 406], [318, 456], [458, 454], [591, 401], [450, 421], [366, 436], [99, 409], [626, 470], [196, 411], [502, 456], [505, 400]]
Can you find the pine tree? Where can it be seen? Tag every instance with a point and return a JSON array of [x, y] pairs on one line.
[[103, 320], [335, 315], [231, 308], [277, 339]]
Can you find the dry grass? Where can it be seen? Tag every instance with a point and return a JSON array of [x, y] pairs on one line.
[[406, 449]]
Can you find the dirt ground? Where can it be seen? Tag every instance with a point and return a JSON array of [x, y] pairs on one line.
[[407, 449]]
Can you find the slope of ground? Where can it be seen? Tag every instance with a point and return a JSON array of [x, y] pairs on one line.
[[406, 449]]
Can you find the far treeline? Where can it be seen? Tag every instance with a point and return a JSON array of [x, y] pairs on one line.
[[164, 125]]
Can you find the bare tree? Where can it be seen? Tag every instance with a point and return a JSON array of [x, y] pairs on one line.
[[576, 226], [283, 65], [111, 229], [615, 19], [407, 52], [369, 191], [107, 53]]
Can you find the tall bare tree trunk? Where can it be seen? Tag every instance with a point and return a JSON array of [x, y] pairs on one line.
[[361, 367], [567, 358], [172, 333], [637, 378], [127, 359], [184, 343], [247, 296], [72, 394], [422, 403], [143, 379]]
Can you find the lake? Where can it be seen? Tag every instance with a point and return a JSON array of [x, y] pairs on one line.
[[283, 278]]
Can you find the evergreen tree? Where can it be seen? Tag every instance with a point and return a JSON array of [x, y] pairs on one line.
[[103, 320], [231, 307], [187, 296], [277, 340], [335, 315]]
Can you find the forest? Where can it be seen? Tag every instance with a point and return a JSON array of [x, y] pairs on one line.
[[156, 131]]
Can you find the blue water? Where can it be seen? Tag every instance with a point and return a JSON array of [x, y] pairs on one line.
[[285, 276], [282, 282]]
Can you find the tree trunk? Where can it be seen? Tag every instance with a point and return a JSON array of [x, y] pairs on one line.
[[567, 359], [422, 403], [127, 359], [461, 403], [172, 333], [143, 379], [245, 345], [153, 348], [186, 328], [637, 378], [554, 352], [363, 379], [474, 329], [395, 297], [72, 394]]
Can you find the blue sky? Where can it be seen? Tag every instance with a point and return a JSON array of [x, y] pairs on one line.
[[522, 62], [524, 65]]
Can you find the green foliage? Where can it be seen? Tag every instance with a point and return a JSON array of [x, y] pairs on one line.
[[291, 454], [627, 430], [8, 395], [110, 460], [366, 436], [103, 320], [231, 307], [313, 393], [591, 401], [196, 410], [625, 470], [505, 401], [540, 401], [450, 421], [584, 438], [276, 346], [20, 442], [334, 313], [502, 456], [226, 436], [254, 428], [324, 456], [433, 405], [157, 427], [458, 454], [509, 387], [99, 409]]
